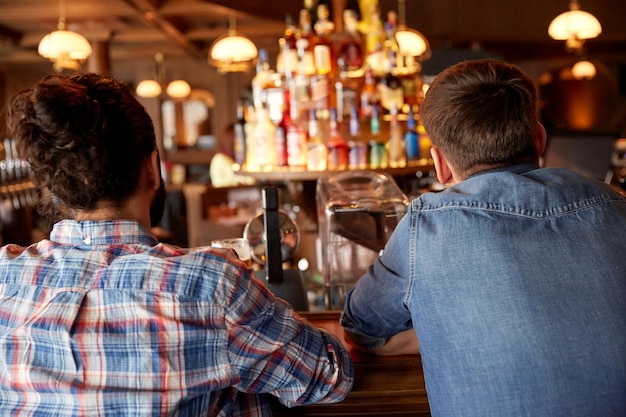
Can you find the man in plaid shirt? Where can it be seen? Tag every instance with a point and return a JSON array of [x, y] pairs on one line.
[[102, 319]]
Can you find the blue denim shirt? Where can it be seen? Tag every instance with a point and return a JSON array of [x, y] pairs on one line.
[[515, 282]]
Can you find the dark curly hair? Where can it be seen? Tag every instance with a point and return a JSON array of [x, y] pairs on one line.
[[85, 137]]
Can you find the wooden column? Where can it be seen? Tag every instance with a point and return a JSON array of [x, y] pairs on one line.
[[99, 60]]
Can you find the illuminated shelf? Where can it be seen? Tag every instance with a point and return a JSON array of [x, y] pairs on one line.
[[286, 174]]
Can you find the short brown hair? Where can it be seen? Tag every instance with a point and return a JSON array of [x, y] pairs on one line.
[[482, 113], [85, 137]]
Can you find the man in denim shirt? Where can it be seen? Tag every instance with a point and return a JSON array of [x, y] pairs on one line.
[[514, 278]]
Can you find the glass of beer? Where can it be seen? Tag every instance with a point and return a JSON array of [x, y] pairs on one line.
[[239, 244]]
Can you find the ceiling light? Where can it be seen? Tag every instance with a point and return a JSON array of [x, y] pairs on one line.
[[410, 42], [153, 88], [148, 89], [66, 49], [178, 89], [232, 52], [584, 70], [574, 26]]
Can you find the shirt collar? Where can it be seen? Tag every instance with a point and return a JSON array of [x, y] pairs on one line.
[[105, 232], [516, 169]]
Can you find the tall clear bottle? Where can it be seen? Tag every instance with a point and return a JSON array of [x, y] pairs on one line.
[[261, 80], [397, 156], [317, 156], [265, 141]]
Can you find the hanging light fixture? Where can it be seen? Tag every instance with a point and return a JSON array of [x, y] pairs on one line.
[[411, 43], [232, 52], [584, 70], [574, 27], [66, 49], [153, 88]]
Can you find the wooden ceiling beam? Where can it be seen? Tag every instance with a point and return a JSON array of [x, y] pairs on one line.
[[148, 12]]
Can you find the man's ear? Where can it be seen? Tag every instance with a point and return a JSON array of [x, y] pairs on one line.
[[442, 167], [540, 139], [154, 170]]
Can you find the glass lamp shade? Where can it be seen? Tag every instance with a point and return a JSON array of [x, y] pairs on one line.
[[232, 53], [584, 70], [178, 89], [148, 89], [412, 43], [64, 45], [574, 24]]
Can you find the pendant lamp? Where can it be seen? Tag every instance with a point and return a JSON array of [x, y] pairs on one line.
[[66, 49]]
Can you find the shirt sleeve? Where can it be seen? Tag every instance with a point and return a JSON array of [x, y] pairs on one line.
[[273, 350], [376, 307]]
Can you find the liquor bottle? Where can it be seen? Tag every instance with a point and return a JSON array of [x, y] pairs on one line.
[[357, 150], [280, 139], [297, 139], [304, 44], [346, 92], [239, 139], [424, 139], [251, 157], [374, 41], [369, 95], [391, 48], [390, 90], [350, 55], [265, 141], [287, 58], [337, 146], [323, 48], [317, 154], [311, 6], [397, 156], [377, 148], [260, 80], [411, 138]]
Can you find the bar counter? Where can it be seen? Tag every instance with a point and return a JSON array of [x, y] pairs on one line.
[[383, 386]]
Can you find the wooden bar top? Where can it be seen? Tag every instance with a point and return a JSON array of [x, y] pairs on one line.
[[383, 386]]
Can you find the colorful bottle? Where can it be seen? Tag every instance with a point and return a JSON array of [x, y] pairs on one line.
[[377, 148], [337, 146], [265, 141], [357, 150], [239, 139], [411, 139], [369, 95]]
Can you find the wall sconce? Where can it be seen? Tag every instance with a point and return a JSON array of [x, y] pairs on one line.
[[574, 27], [66, 49], [153, 88], [410, 42], [232, 52]]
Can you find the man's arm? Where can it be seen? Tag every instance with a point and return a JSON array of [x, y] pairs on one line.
[[403, 343]]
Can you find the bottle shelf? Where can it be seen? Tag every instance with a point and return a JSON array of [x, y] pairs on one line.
[[291, 174]]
